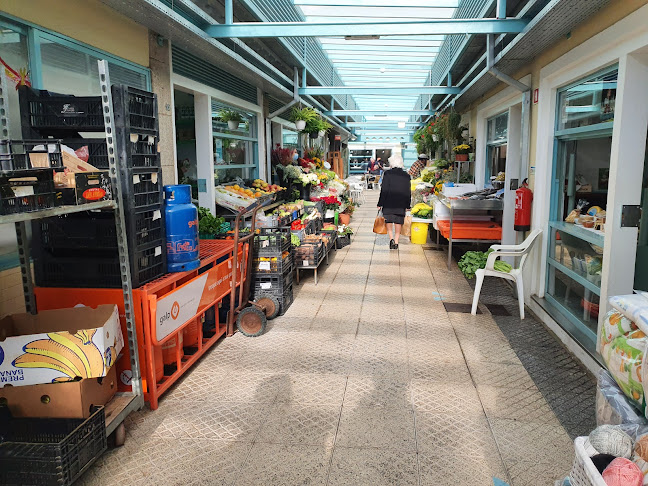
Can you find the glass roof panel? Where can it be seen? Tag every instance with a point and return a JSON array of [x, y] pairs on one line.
[[385, 62]]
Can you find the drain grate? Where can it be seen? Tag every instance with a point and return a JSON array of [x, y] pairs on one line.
[[462, 308], [498, 310]]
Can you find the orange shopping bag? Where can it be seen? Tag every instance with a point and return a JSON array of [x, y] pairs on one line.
[[380, 228]]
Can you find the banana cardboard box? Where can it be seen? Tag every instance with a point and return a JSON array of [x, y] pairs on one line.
[[59, 345]]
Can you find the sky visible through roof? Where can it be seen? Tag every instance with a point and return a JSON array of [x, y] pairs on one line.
[[389, 61]]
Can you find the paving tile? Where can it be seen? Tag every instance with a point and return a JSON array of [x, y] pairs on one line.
[[449, 398], [455, 372], [376, 467], [313, 388], [516, 404], [279, 465], [504, 375], [532, 473], [526, 441], [298, 423], [438, 469], [380, 427], [378, 391]]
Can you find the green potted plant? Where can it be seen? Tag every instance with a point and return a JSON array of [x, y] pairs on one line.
[[317, 127], [231, 117], [300, 116], [461, 152]]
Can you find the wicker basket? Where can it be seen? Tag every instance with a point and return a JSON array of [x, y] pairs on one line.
[[583, 472]]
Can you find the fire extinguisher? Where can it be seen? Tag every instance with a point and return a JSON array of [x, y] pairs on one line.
[[523, 198]]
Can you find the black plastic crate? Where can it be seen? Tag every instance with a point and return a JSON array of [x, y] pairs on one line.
[[342, 241], [78, 269], [97, 150], [95, 230], [286, 300], [142, 188], [135, 109], [23, 154], [42, 451], [272, 264], [46, 113], [23, 191], [272, 241], [274, 284], [308, 254]]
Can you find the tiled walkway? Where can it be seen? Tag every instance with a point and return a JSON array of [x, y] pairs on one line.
[[369, 380]]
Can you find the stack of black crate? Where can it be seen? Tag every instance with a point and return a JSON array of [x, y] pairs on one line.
[[80, 249], [272, 270]]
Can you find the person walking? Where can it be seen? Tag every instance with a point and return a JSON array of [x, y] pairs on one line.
[[415, 170], [395, 198]]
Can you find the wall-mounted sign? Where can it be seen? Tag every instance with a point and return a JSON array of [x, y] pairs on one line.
[[536, 95], [338, 137]]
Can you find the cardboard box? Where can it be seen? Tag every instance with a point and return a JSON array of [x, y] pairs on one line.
[[90, 187], [59, 345], [60, 400]]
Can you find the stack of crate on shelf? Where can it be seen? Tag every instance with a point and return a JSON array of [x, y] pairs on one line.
[[273, 266], [80, 250]]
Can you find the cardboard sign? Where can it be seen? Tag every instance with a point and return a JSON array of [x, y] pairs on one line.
[[178, 307]]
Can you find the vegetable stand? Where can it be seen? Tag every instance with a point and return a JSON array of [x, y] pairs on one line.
[[471, 205]]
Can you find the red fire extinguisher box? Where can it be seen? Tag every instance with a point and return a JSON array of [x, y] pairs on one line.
[[523, 199]]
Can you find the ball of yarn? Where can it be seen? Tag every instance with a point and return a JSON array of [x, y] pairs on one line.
[[622, 472], [641, 447], [601, 461], [608, 439]]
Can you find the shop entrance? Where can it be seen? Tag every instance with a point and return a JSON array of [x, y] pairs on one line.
[[185, 124], [641, 265]]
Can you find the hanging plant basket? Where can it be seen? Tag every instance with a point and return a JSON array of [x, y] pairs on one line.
[[321, 133], [300, 124], [232, 125], [313, 135]]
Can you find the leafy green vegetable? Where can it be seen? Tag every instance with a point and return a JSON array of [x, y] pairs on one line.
[[210, 225], [472, 261], [295, 240]]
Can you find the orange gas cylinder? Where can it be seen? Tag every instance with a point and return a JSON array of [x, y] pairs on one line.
[[190, 334], [169, 350], [159, 363]]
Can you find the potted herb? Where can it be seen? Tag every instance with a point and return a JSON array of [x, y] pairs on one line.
[[232, 117], [301, 116], [461, 152]]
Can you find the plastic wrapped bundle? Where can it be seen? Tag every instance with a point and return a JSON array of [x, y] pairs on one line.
[[612, 405]]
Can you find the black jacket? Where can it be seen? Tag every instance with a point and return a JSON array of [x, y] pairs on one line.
[[395, 191]]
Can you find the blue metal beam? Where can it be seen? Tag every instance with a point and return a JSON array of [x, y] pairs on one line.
[[229, 12], [380, 123], [373, 90], [245, 30], [378, 112], [380, 48]]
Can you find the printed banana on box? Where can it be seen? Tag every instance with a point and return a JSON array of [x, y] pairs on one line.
[[59, 345]]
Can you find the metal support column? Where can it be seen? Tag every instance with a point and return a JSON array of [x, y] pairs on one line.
[[229, 12], [25, 267], [501, 9], [120, 224]]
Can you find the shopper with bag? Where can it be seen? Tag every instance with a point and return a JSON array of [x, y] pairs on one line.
[[395, 198]]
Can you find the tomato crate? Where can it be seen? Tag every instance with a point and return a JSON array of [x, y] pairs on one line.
[[272, 241], [30, 154], [44, 113], [74, 268], [96, 231], [135, 109], [23, 191], [273, 264], [46, 451]]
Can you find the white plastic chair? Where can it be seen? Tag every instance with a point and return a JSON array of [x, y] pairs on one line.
[[521, 250], [357, 192]]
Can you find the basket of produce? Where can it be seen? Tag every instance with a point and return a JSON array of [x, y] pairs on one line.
[[273, 264], [210, 226]]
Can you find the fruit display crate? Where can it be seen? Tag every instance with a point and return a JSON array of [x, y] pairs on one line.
[[342, 241], [272, 241], [30, 154], [309, 254], [50, 451], [272, 264], [23, 191]]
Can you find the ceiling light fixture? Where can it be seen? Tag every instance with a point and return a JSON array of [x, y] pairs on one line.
[[361, 37], [401, 124], [382, 70]]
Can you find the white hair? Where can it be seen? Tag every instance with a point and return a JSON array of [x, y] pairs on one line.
[[396, 161]]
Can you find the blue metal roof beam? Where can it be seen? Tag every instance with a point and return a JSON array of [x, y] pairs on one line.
[[379, 3], [373, 90], [377, 112], [244, 30]]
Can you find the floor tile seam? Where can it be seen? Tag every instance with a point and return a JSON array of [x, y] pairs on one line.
[[337, 429]]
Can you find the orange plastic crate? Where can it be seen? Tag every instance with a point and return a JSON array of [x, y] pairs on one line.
[[471, 230]]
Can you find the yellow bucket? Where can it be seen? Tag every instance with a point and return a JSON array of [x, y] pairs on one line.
[[419, 233]]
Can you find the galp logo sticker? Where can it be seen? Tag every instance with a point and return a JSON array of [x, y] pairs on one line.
[[175, 310]]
